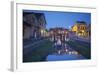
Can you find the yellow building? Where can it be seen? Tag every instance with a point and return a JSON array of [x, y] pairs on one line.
[[80, 28]]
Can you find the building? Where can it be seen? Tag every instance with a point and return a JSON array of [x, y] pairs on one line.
[[80, 29], [58, 33], [89, 31], [34, 25]]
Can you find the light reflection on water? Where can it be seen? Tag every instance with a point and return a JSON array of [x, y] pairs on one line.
[[65, 53]]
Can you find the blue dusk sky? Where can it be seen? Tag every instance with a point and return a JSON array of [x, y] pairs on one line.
[[63, 19]]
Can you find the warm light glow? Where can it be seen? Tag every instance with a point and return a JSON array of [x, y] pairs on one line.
[[42, 31], [83, 31]]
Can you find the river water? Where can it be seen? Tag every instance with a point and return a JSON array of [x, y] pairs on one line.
[[64, 52]]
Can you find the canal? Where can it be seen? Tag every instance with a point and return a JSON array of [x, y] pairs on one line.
[[64, 52]]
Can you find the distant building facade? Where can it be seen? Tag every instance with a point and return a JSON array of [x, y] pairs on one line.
[[89, 31], [58, 33], [34, 25], [81, 29]]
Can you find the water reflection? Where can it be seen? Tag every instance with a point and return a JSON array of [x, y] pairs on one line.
[[64, 48], [64, 52]]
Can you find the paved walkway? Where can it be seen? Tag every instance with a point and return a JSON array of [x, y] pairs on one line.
[[29, 47]]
